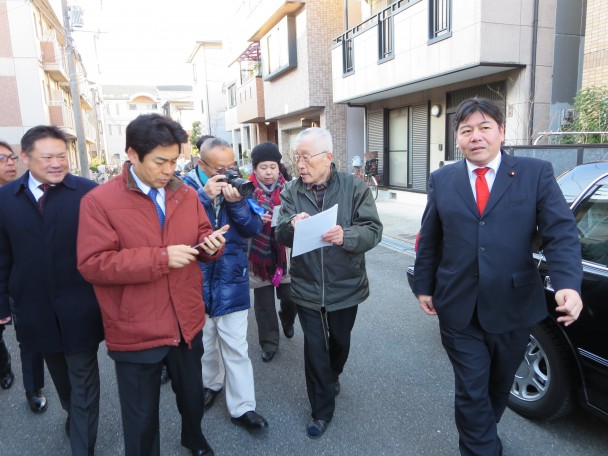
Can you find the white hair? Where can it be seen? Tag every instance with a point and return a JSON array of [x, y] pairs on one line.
[[321, 136]]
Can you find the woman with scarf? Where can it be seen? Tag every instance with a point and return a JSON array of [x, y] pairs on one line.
[[268, 267]]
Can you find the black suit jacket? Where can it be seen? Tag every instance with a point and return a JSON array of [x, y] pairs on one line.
[[55, 309], [466, 260]]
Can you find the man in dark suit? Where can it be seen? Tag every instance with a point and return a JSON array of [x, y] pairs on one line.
[[32, 364], [475, 269], [55, 310]]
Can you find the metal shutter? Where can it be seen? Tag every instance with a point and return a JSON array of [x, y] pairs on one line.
[[420, 146], [375, 135]]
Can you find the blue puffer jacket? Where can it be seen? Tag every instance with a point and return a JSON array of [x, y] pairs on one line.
[[226, 281]]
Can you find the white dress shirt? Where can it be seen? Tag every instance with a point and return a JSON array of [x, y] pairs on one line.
[[490, 175], [160, 196]]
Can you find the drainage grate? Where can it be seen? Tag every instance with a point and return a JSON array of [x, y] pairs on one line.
[[396, 244]]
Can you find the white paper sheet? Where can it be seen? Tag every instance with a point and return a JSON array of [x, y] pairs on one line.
[[308, 234], [275, 216]]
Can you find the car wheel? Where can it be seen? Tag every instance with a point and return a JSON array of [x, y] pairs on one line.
[[543, 385]]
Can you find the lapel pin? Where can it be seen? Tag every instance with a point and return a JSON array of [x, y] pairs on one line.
[[511, 173]]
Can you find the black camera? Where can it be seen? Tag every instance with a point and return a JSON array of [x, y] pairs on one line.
[[244, 187]]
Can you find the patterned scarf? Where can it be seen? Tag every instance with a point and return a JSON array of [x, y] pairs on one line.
[[265, 254]]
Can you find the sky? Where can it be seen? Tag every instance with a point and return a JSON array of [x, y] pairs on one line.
[[146, 42]]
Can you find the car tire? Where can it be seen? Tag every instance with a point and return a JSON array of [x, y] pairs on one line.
[[543, 388]]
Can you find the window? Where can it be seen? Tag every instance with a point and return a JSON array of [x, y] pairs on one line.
[[347, 54], [279, 48], [132, 107], [385, 35], [440, 19], [232, 95], [592, 224]]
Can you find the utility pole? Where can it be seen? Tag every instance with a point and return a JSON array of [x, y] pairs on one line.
[[75, 92]]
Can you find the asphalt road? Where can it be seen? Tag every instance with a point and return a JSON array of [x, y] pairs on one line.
[[396, 398]]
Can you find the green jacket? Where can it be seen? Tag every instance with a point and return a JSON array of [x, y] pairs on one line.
[[333, 277]]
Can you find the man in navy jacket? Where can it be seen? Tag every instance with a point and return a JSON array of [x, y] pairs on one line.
[[226, 286], [56, 312], [32, 364], [475, 270]]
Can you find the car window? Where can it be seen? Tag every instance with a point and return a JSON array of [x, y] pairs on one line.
[[592, 224], [573, 182]]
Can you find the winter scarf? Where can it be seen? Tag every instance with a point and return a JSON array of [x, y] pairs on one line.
[[265, 254]]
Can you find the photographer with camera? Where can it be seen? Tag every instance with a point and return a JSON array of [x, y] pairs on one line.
[[223, 194]]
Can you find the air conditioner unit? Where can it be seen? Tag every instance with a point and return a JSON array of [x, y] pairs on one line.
[[568, 115]]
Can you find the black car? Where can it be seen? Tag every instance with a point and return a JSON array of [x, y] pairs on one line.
[[564, 365]]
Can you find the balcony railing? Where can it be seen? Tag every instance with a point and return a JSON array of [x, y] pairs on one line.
[[384, 20], [253, 71], [54, 60]]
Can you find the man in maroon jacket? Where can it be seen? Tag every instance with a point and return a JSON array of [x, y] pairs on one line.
[[139, 238]]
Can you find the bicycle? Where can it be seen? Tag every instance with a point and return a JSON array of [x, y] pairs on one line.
[[368, 176]]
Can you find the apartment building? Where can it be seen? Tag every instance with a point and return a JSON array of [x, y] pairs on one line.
[[208, 73], [34, 77], [279, 79], [123, 103], [408, 64]]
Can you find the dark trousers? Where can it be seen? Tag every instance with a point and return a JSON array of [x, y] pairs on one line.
[[484, 368], [5, 356], [76, 378], [266, 314], [322, 366], [139, 392], [32, 367]]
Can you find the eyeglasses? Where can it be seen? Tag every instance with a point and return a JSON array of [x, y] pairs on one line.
[[306, 158], [6, 158], [218, 170]]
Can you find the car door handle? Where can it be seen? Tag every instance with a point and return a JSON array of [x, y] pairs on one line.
[[547, 284]]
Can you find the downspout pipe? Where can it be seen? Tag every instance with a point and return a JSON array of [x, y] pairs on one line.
[[532, 92]]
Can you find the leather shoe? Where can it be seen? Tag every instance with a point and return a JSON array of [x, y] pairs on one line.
[[6, 377], [164, 375], [267, 356], [287, 328], [209, 396], [316, 428], [288, 331], [251, 420], [37, 401], [207, 451]]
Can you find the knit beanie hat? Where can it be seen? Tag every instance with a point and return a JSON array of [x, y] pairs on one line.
[[266, 151]]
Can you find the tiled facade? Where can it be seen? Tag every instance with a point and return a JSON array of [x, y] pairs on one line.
[[595, 66], [301, 96]]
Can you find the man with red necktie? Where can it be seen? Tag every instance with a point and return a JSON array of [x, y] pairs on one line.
[[474, 267]]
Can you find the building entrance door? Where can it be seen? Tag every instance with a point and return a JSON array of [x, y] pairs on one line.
[[399, 156]]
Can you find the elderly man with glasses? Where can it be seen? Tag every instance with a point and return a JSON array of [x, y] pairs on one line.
[[329, 283]]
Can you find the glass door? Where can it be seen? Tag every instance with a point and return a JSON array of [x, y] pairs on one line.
[[398, 153]]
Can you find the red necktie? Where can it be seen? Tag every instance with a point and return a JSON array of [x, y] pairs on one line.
[[481, 188], [44, 188]]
